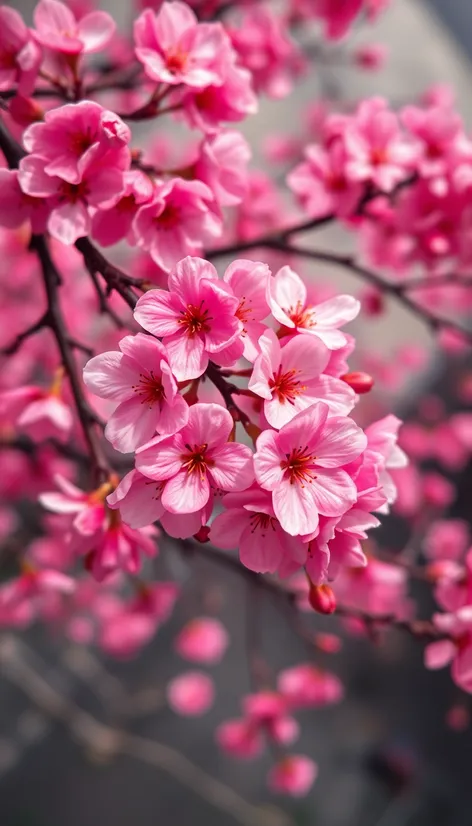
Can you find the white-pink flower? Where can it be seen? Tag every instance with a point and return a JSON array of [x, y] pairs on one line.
[[196, 318], [140, 380], [290, 379], [302, 465], [197, 457], [287, 298]]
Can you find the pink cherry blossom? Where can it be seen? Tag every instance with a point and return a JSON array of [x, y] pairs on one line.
[[202, 640], [382, 447], [248, 281], [139, 379], [293, 775], [446, 539], [266, 48], [86, 510], [222, 166], [139, 501], [191, 693], [240, 738], [113, 222], [17, 596], [40, 413], [20, 56], [177, 221], [288, 301], [456, 648], [16, 207], [196, 318], [337, 17], [57, 28], [174, 48], [305, 686], [232, 100], [197, 457], [376, 150], [302, 466], [249, 524], [76, 135], [290, 379], [69, 204], [321, 181]]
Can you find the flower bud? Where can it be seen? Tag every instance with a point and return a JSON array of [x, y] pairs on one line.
[[322, 599], [360, 382]]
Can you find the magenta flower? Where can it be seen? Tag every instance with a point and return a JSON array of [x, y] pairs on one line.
[[58, 30], [456, 648], [70, 216], [140, 380], [232, 100], [302, 466], [41, 414], [16, 207], [177, 222], [76, 135], [175, 48], [197, 457], [287, 298], [289, 379], [321, 182], [113, 222], [20, 56], [377, 151], [196, 318], [222, 166]]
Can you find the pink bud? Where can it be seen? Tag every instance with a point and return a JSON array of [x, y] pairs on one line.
[[322, 599], [360, 382]]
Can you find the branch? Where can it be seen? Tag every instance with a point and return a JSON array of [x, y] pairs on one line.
[[56, 322], [416, 628], [115, 278], [398, 291]]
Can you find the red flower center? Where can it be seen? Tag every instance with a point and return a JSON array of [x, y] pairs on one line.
[[196, 319], [262, 522], [285, 386], [196, 460], [302, 316], [80, 142], [169, 217], [176, 61], [149, 388], [299, 466], [74, 192]]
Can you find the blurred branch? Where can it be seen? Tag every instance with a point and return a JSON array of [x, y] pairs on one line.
[[107, 742]]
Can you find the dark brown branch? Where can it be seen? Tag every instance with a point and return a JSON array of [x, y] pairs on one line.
[[227, 390], [115, 278], [56, 322]]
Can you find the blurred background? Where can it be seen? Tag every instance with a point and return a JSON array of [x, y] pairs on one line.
[[385, 754]]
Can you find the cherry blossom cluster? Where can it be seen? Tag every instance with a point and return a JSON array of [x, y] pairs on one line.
[[175, 386]]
